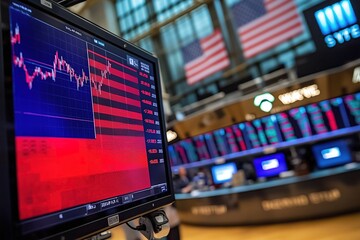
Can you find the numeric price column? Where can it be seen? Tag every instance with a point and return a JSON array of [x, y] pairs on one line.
[[149, 106]]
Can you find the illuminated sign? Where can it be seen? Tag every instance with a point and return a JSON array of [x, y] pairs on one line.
[[316, 198], [264, 102], [338, 23], [299, 94], [356, 76], [171, 135]]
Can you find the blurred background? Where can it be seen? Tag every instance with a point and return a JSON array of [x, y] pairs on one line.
[[173, 31], [262, 108]]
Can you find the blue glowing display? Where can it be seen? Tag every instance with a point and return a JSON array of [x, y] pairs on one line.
[[332, 153], [223, 173], [338, 23], [270, 165]]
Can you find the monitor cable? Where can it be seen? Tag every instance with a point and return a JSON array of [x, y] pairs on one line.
[[137, 228]]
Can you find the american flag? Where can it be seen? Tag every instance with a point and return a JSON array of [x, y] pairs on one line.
[[205, 57], [263, 24]]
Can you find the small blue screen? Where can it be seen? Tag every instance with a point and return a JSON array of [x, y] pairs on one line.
[[332, 153], [223, 173], [270, 165]]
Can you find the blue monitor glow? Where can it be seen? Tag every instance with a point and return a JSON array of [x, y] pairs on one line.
[[334, 23], [334, 26], [223, 173], [270, 165], [332, 153]]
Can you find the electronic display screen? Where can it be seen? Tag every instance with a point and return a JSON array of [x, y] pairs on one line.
[[334, 25], [335, 31], [201, 147], [210, 142], [301, 123], [270, 165], [223, 173], [332, 153], [88, 133]]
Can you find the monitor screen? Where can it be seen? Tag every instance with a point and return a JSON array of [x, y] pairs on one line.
[[332, 153], [270, 165], [334, 26], [88, 129], [223, 173], [335, 31]]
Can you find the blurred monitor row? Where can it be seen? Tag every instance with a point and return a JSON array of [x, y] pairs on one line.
[[315, 122], [327, 154], [323, 155]]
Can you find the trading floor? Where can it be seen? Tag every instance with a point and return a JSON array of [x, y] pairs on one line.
[[341, 227]]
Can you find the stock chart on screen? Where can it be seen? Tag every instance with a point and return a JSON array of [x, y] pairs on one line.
[[43, 75], [86, 113], [317, 121]]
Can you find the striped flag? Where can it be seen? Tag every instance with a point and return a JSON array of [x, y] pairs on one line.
[[205, 57], [263, 24]]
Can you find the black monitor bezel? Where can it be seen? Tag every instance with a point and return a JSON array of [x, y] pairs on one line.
[[87, 225]]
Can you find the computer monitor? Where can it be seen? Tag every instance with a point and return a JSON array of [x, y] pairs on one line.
[[83, 145], [270, 165], [332, 153], [223, 173]]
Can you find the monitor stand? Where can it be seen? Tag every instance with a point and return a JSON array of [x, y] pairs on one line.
[[155, 225]]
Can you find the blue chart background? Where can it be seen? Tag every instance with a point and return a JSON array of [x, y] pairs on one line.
[[50, 108]]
